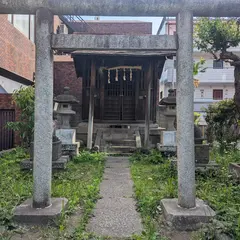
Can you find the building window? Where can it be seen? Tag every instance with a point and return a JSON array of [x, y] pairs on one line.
[[21, 22], [202, 93], [218, 64], [217, 94], [32, 28], [226, 93], [24, 23], [10, 18]]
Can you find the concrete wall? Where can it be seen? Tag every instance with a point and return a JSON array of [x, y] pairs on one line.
[[9, 85], [17, 52]]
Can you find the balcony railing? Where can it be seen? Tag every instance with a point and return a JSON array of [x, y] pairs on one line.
[[225, 75]]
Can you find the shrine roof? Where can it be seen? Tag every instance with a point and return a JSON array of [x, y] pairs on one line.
[[130, 53]]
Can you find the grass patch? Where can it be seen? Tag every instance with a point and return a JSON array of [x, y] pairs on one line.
[[155, 181], [79, 183]]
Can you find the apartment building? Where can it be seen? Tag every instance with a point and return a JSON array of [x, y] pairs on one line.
[[215, 84], [17, 51]]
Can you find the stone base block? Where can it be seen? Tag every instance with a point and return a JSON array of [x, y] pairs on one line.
[[26, 214], [59, 164], [202, 167], [71, 149], [167, 150], [186, 219]]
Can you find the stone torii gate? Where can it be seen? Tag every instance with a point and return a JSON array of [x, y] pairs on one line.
[[184, 213]]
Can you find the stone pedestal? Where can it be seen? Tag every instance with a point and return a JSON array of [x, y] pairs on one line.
[[202, 153], [201, 167], [59, 164], [26, 214], [168, 143], [183, 219], [58, 161], [69, 145]]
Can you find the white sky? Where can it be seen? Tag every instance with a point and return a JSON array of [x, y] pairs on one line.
[[155, 20]]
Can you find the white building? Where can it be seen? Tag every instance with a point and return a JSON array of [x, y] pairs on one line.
[[216, 83]]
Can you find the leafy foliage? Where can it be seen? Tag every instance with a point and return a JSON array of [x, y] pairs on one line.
[[223, 123], [222, 192], [153, 156], [86, 156], [198, 67], [217, 36], [213, 35], [196, 118], [24, 100]]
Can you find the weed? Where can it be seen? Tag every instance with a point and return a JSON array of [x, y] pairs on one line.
[[79, 183], [152, 156]]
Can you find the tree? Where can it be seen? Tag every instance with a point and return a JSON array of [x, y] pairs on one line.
[[216, 36], [24, 101]]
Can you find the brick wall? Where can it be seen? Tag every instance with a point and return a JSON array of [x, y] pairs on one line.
[[7, 103], [65, 76], [17, 52], [118, 27]]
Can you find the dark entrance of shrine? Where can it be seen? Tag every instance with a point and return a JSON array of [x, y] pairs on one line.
[[119, 87], [119, 96]]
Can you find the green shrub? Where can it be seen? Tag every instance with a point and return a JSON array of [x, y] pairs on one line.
[[223, 123], [24, 101], [152, 156], [86, 156]]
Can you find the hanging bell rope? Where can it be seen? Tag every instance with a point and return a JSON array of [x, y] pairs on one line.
[[116, 78], [124, 69], [109, 76], [124, 75]]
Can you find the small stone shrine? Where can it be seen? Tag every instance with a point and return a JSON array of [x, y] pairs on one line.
[[58, 161], [168, 145], [65, 133], [168, 110]]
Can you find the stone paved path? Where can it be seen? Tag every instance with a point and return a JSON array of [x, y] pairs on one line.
[[115, 214]]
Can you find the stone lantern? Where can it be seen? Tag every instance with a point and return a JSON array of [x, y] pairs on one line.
[[169, 110], [63, 109]]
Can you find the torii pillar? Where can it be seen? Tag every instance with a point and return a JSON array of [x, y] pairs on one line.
[[42, 209], [186, 212]]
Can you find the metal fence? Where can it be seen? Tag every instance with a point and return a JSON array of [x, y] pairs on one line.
[[6, 135]]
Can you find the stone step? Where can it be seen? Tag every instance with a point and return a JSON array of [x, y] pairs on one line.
[[115, 154], [121, 149], [121, 142], [128, 134]]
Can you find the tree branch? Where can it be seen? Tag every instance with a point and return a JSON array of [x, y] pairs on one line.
[[225, 55], [237, 63], [215, 56]]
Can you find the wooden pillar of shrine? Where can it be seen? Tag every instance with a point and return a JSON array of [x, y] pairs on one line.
[[148, 80], [91, 105]]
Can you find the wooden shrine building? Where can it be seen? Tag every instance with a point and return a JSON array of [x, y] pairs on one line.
[[120, 87]]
